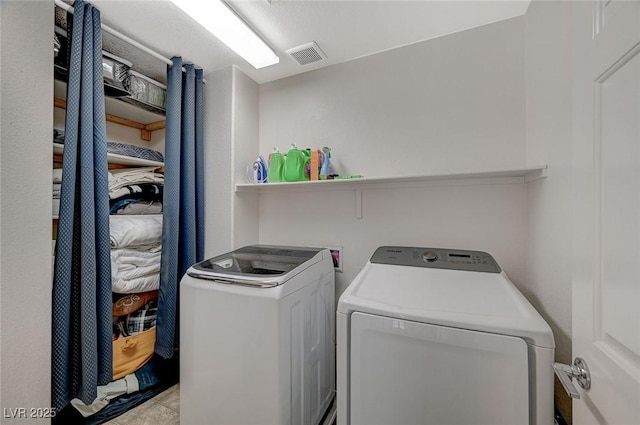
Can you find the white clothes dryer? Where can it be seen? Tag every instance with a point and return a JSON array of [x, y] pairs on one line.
[[439, 336], [257, 337]]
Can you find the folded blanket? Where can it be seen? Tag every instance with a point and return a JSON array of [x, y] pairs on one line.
[[118, 148], [142, 319], [129, 271], [58, 136], [128, 231], [141, 254], [56, 190], [129, 176], [136, 207], [57, 175], [132, 271], [143, 191], [135, 269], [132, 302], [128, 264], [134, 151], [139, 284]]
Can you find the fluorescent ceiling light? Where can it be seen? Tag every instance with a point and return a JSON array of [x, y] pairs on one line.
[[216, 17]]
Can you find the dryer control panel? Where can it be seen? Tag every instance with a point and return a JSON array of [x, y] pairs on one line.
[[436, 258]]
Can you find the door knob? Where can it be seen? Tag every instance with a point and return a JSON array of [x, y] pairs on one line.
[[578, 370]]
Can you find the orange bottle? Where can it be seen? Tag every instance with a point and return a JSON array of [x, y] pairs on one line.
[[314, 166]]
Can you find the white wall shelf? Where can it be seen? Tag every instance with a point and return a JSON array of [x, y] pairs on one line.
[[506, 175]]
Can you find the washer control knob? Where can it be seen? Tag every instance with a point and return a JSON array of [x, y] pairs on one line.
[[429, 256]]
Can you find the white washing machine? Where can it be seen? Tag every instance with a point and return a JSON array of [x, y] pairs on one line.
[[257, 337], [437, 336]]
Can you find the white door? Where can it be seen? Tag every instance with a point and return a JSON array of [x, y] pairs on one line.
[[606, 232]]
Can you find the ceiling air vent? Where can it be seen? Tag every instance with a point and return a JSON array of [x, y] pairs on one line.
[[307, 53]]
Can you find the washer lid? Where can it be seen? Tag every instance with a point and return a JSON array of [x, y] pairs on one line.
[[480, 301], [257, 265]]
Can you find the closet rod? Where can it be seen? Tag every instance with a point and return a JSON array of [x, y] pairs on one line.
[[121, 36]]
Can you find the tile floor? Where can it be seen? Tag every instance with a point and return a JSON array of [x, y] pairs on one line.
[[163, 409]]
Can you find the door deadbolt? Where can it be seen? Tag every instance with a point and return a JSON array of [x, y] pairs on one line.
[[579, 370]]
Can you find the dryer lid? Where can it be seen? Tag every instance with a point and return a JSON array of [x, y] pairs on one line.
[[480, 301], [257, 265]]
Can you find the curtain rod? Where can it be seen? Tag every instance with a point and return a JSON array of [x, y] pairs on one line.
[[121, 36]]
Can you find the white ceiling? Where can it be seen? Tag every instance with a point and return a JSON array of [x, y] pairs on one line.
[[344, 30]]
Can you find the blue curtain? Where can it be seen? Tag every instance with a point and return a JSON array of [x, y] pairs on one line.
[[183, 208], [81, 332]]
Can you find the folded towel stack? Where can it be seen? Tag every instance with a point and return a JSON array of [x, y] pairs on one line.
[[136, 191], [136, 253], [57, 184]]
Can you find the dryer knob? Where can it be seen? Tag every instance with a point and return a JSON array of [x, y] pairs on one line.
[[429, 256]]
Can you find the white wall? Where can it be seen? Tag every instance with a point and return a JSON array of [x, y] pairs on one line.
[[549, 138], [218, 171], [25, 210], [489, 217], [245, 144], [449, 104], [454, 102], [231, 142]]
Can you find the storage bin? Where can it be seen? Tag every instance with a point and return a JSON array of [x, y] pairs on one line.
[[132, 352], [115, 71], [146, 93], [60, 54]]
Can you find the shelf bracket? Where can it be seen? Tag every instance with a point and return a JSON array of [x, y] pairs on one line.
[[145, 133], [358, 199]]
